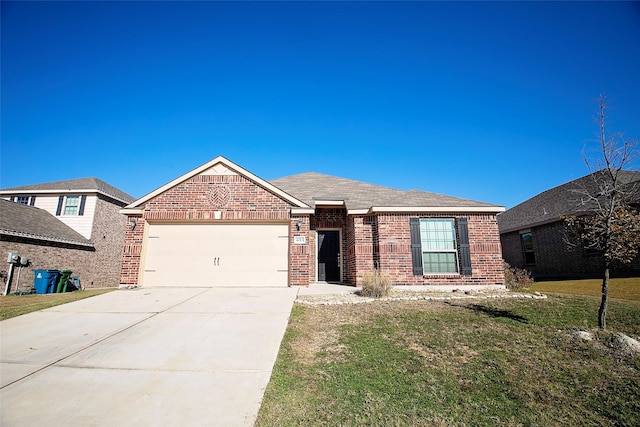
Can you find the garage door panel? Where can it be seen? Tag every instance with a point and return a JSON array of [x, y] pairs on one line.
[[216, 255]]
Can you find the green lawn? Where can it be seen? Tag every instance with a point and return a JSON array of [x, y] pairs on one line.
[[15, 305], [492, 362]]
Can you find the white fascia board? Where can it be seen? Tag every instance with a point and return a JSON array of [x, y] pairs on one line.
[[357, 211], [421, 209], [329, 202], [127, 211], [302, 211], [229, 164]]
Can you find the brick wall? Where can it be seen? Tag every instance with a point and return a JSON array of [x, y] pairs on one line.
[[300, 255], [360, 247], [108, 239], [394, 251], [47, 256], [555, 259], [512, 249]]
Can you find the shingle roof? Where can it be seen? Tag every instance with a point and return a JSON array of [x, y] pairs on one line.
[[21, 220], [551, 205], [311, 187], [84, 184]]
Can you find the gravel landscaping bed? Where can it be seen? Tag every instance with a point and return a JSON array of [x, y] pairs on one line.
[[411, 295]]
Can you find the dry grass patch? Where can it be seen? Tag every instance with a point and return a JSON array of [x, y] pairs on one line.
[[623, 288], [458, 363]]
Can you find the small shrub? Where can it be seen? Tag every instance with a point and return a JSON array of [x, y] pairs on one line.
[[516, 278], [376, 285]]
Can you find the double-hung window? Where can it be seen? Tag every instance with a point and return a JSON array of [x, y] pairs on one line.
[[439, 247], [71, 205]]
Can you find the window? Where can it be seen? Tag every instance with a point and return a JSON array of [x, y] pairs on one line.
[[527, 247], [23, 199], [71, 205], [439, 248]]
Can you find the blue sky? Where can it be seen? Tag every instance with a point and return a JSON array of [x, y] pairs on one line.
[[481, 100]]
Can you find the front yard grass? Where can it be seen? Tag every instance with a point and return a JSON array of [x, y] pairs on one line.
[[491, 362], [16, 305], [619, 288]]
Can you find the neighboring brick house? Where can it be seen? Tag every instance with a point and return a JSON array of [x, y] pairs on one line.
[[220, 225], [533, 234], [73, 224]]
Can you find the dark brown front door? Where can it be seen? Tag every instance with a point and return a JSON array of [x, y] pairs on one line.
[[328, 256]]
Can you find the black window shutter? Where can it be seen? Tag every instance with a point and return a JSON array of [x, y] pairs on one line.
[[416, 246], [83, 200], [465, 253], [59, 210], [32, 202]]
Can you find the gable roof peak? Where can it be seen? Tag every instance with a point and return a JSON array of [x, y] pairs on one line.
[[217, 166]]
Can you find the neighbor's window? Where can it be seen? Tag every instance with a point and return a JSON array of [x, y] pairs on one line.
[[439, 249], [71, 205], [23, 199], [527, 247]]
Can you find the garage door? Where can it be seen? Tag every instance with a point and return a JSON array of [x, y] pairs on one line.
[[216, 255]]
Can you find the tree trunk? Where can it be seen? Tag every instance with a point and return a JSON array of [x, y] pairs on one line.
[[602, 312]]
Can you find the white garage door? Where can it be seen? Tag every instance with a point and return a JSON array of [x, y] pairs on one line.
[[216, 255]]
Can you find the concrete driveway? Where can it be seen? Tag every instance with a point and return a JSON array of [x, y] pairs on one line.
[[144, 357]]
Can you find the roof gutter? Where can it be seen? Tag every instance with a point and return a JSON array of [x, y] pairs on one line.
[[46, 238]]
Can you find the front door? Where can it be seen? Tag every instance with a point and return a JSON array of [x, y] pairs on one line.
[[329, 256]]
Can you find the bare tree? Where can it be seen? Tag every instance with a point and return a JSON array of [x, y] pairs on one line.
[[609, 221]]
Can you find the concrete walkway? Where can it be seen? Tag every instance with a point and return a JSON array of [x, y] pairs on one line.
[[144, 357]]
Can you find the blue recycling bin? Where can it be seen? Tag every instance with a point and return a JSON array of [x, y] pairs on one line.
[[45, 281]]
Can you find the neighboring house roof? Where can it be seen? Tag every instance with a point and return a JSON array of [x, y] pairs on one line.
[[81, 185], [317, 189], [566, 199], [30, 222]]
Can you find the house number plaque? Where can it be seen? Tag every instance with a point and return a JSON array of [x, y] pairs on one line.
[[299, 240]]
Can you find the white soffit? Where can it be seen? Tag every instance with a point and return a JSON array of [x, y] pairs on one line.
[[217, 166]]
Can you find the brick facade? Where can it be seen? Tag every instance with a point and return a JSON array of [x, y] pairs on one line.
[[392, 251], [554, 259], [367, 241]]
